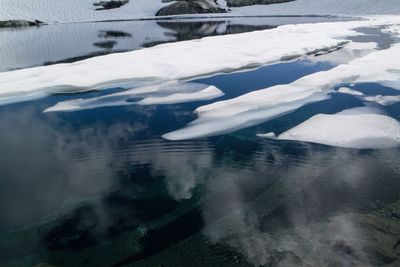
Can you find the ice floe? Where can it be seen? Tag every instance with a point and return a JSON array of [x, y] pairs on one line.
[[353, 128], [166, 93], [265, 104], [384, 100], [346, 90], [184, 60]]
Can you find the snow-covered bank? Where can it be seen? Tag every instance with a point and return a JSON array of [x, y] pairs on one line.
[[83, 10], [183, 60], [51, 11], [355, 128]]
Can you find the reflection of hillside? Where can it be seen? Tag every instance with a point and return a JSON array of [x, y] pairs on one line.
[[194, 30]]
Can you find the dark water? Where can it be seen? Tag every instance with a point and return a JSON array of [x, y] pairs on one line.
[[100, 187]]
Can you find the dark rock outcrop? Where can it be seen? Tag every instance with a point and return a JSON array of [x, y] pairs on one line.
[[19, 23], [239, 3], [104, 5], [190, 7]]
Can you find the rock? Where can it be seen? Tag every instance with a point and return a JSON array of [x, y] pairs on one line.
[[19, 23], [104, 5], [239, 3], [190, 7]]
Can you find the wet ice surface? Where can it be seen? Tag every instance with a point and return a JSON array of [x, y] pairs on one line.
[[98, 186]]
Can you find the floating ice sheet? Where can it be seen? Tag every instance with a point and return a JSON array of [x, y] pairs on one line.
[[353, 128], [167, 93]]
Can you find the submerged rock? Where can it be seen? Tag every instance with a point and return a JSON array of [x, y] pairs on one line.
[[19, 23], [104, 5], [190, 7], [239, 3]]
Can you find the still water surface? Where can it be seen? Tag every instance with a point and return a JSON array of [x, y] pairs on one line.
[[100, 187]]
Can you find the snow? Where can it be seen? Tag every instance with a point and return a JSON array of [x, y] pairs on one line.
[[159, 94], [50, 11], [360, 130], [183, 60], [265, 104], [208, 93], [346, 90]]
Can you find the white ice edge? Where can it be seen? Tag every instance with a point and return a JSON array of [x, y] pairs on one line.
[[361, 129], [348, 91], [183, 60], [262, 105], [172, 92]]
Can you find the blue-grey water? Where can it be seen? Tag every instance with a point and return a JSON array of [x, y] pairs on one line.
[[100, 187]]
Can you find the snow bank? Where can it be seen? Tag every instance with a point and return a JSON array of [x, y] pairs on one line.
[[262, 105], [52, 11], [168, 93], [384, 100], [351, 129], [182, 60]]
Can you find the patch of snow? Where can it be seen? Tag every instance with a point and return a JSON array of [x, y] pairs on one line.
[[208, 93], [346, 90], [347, 129], [348, 53], [159, 94]]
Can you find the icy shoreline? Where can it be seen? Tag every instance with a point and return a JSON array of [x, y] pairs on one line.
[[84, 11]]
